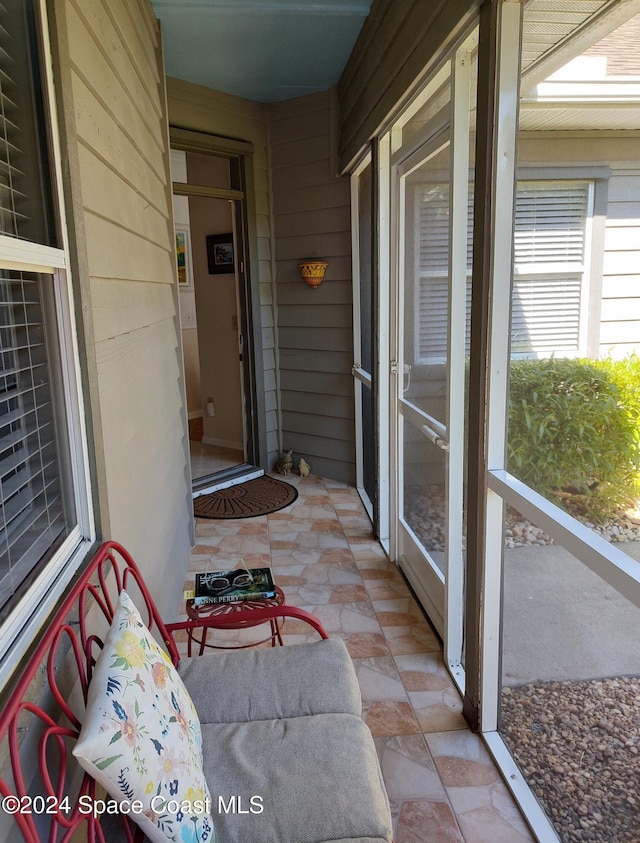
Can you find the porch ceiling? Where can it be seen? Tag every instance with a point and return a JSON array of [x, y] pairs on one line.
[[264, 50]]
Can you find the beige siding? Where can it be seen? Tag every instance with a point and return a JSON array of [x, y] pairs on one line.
[[312, 219], [616, 317], [203, 110], [117, 139], [397, 46]]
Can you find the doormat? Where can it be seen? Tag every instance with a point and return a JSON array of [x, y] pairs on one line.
[[246, 500]]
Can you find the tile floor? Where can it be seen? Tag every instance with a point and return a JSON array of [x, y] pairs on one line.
[[207, 459], [442, 784]]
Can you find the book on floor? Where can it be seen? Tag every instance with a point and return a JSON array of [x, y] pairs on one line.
[[233, 586]]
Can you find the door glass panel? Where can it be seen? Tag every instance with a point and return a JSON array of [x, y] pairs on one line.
[[368, 444], [426, 285], [423, 492], [365, 245]]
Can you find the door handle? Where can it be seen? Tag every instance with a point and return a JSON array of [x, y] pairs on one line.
[[406, 371]]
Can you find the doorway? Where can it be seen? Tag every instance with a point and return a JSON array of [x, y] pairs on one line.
[[208, 214], [432, 185]]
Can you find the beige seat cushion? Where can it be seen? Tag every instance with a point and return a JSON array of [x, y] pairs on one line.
[[292, 681], [318, 778]]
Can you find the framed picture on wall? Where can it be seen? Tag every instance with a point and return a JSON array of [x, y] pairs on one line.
[[183, 256], [220, 254]]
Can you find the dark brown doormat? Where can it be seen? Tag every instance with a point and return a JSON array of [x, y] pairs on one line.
[[255, 497]]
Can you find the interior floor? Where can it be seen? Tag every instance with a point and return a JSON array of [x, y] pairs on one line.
[[442, 783], [208, 459]]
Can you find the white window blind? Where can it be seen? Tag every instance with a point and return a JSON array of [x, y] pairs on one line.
[[550, 248], [432, 265], [36, 498], [549, 266], [32, 517]]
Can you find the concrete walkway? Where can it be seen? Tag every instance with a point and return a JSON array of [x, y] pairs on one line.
[[561, 621]]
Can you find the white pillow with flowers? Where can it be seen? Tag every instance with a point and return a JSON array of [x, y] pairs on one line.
[[141, 737]]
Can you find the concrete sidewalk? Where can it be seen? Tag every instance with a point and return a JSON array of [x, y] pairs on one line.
[[561, 621]]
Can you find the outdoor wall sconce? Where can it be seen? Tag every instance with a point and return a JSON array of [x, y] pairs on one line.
[[313, 271]]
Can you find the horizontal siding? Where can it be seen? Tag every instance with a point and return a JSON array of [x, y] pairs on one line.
[[620, 318], [203, 110], [315, 333], [117, 98], [397, 43]]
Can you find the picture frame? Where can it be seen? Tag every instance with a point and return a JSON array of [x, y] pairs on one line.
[[183, 256], [221, 254]]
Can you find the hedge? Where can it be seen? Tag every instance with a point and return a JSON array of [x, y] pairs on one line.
[[574, 430]]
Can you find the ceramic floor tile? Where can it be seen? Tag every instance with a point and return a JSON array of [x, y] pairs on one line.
[[233, 527], [322, 573], [389, 717], [427, 822], [379, 679], [309, 539], [316, 593], [386, 588], [365, 645], [408, 769], [347, 618], [304, 525], [365, 555], [483, 806], [433, 695]]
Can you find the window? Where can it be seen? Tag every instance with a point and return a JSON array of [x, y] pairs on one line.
[[551, 248], [550, 267], [43, 494]]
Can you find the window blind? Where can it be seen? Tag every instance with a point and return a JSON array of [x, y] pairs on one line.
[[36, 504], [32, 517], [25, 195], [548, 264], [550, 243]]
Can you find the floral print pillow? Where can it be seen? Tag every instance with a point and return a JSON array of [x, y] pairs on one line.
[[141, 737]]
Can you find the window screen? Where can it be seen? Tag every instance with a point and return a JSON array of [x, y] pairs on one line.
[[550, 249]]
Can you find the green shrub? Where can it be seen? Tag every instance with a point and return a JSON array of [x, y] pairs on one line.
[[574, 430]]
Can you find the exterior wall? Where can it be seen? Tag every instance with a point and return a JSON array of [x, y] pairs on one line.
[[395, 51], [618, 319], [115, 133], [312, 219], [203, 110]]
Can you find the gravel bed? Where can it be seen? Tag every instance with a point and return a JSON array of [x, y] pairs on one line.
[[578, 746], [424, 510]]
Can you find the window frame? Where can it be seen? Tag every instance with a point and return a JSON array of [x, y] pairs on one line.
[[49, 583], [591, 272]]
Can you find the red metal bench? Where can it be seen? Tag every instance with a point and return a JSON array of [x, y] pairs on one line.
[[42, 785]]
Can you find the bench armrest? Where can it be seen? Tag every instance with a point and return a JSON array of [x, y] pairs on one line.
[[252, 617]]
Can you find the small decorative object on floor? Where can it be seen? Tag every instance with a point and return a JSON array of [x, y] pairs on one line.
[[303, 467], [234, 586], [285, 462]]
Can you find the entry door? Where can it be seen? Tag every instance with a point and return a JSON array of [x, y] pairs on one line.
[[429, 375]]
